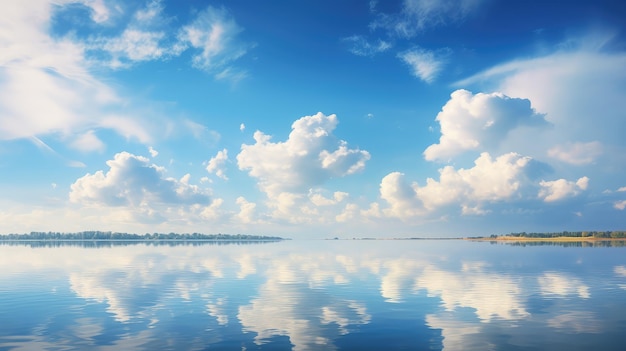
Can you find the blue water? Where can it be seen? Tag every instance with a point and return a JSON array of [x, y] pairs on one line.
[[312, 295]]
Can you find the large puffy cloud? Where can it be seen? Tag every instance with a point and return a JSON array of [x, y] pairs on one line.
[[580, 89], [490, 180], [310, 156], [509, 177], [479, 122], [132, 181]]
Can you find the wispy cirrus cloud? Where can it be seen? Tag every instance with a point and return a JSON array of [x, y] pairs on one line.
[[63, 73], [417, 15], [361, 46], [577, 153], [425, 64], [214, 34]]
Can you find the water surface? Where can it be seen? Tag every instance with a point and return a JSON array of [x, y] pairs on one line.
[[312, 295]]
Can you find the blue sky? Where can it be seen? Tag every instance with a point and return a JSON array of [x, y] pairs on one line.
[[313, 119]]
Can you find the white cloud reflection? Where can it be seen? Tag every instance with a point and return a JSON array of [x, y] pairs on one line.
[[312, 293]]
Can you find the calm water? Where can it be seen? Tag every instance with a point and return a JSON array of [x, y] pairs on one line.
[[313, 295]]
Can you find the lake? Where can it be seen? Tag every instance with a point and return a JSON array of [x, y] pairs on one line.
[[312, 295]]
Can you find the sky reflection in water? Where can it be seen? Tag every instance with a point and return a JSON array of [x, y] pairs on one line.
[[310, 295]]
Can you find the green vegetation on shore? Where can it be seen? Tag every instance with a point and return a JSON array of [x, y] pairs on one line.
[[565, 235], [100, 235]]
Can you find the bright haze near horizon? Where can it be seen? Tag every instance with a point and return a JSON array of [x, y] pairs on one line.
[[313, 119]]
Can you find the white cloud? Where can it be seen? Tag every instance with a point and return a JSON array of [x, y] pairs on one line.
[[424, 64], [132, 181], [88, 142], [55, 73], [201, 132], [560, 189], [217, 163], [620, 205], [488, 181], [360, 46], [99, 11], [580, 89], [479, 122], [242, 127], [128, 127], [310, 156], [418, 15], [319, 199], [214, 32], [577, 153], [134, 45], [247, 210], [152, 10], [153, 152]]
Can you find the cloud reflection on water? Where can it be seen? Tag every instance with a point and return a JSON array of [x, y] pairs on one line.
[[314, 295]]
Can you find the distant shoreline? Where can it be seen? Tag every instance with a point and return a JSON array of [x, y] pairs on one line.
[[553, 239]]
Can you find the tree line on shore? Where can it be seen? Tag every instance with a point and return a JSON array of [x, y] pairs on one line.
[[615, 234], [104, 235]]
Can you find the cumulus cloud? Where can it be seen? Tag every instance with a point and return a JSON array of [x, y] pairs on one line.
[[247, 210], [479, 122], [576, 153], [490, 180], [310, 156], [132, 181], [553, 83], [217, 163], [319, 199], [560, 189], [424, 64]]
